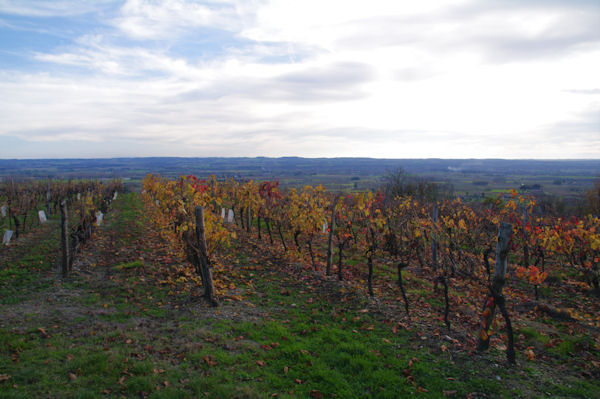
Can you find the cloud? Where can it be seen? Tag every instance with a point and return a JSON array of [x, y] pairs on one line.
[[313, 78], [55, 8], [94, 55], [141, 19], [584, 91]]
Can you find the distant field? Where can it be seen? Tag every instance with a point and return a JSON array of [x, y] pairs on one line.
[[471, 178]]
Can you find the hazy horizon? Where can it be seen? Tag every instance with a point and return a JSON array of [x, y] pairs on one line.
[[301, 157]]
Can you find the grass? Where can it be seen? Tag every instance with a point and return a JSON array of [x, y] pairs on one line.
[[534, 335], [129, 265], [22, 275]]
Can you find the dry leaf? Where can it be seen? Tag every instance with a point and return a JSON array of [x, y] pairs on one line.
[[530, 354], [316, 394], [209, 360]]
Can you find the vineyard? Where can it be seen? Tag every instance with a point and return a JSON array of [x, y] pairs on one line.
[[21, 201], [437, 298], [450, 241]]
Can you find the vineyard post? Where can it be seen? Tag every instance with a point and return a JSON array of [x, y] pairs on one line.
[[495, 298], [209, 290], [401, 266], [330, 240], [249, 220], [444, 282], [258, 224], [17, 224], [48, 197], [371, 253], [82, 214], [434, 243], [340, 249], [213, 190], [64, 225], [525, 241]]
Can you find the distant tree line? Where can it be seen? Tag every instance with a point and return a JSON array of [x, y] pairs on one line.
[[591, 201], [398, 183]]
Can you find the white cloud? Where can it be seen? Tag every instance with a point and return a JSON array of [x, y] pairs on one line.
[[315, 78], [55, 8], [143, 19]]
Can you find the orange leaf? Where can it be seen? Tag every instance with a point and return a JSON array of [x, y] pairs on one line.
[[530, 354]]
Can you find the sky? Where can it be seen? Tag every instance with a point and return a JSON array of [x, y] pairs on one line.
[[310, 78]]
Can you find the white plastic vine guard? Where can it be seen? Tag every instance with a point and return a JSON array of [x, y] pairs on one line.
[[7, 236]]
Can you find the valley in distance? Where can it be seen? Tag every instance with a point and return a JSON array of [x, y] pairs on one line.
[[563, 182]]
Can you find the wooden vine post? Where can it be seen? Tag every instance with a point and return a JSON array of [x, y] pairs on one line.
[[205, 269], [401, 266], [526, 242], [495, 298], [434, 243], [370, 254], [258, 224], [249, 221], [64, 237], [48, 197], [330, 239]]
